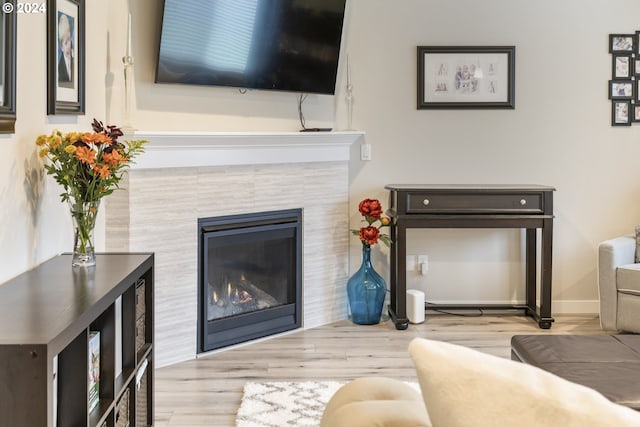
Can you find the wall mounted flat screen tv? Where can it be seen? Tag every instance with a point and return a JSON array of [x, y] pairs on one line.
[[286, 45]]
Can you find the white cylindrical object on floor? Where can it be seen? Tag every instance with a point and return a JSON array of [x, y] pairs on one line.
[[415, 306]]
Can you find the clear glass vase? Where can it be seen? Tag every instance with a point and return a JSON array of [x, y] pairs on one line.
[[84, 216], [366, 291]]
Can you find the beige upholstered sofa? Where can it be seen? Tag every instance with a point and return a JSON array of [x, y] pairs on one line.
[[462, 387], [619, 284]]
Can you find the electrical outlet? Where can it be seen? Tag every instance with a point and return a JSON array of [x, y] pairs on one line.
[[411, 263], [423, 264], [365, 152]]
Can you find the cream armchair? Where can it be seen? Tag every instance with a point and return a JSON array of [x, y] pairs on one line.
[[619, 285]]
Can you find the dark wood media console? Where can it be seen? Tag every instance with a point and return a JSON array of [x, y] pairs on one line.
[[527, 207], [46, 318]]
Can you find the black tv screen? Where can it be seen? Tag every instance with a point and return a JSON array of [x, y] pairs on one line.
[[287, 45]]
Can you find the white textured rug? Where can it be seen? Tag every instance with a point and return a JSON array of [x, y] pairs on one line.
[[277, 404]]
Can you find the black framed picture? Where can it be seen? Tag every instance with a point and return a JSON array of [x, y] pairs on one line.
[[8, 68], [621, 89], [466, 77], [635, 113], [65, 56], [621, 43], [622, 66], [636, 67], [621, 113]]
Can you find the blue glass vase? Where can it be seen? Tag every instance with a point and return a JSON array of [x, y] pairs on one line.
[[366, 290]]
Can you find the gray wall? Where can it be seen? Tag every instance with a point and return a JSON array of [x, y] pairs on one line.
[[559, 134]]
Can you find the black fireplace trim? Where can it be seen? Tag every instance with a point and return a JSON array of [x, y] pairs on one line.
[[268, 322], [259, 219]]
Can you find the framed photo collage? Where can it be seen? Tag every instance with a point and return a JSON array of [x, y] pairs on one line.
[[623, 88]]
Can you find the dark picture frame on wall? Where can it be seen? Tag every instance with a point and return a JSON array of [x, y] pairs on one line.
[[8, 70], [621, 89], [635, 109], [622, 43], [466, 77], [622, 66], [65, 57], [621, 113], [636, 67]]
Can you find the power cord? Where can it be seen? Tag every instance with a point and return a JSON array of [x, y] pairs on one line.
[[432, 306], [301, 99]]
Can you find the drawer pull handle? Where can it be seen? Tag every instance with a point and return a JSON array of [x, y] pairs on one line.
[[523, 202], [425, 202]]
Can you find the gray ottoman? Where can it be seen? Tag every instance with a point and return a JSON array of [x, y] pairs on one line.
[[609, 364]]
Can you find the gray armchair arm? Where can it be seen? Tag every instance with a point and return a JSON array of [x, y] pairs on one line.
[[611, 254]]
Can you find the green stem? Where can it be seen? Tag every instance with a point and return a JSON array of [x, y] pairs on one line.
[[84, 215]]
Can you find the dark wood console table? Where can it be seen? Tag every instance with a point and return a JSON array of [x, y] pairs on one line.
[[474, 206]]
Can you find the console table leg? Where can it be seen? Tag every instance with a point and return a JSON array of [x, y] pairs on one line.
[[545, 324], [400, 325], [545, 277], [531, 268], [398, 270]]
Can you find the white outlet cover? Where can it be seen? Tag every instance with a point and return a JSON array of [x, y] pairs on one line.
[[411, 262]]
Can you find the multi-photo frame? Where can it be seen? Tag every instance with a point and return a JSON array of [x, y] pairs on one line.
[[466, 77], [624, 86]]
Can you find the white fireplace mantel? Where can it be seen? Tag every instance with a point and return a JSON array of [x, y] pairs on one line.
[[193, 149]]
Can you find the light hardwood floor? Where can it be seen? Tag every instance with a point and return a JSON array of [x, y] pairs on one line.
[[207, 391]]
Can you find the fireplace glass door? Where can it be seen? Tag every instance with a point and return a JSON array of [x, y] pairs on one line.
[[250, 277]]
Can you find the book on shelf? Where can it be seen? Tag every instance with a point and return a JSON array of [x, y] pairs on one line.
[[94, 369]]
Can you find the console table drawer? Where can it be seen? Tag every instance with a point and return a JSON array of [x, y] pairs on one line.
[[426, 202]]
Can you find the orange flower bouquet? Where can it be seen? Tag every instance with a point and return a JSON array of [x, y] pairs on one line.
[[371, 210], [89, 166]]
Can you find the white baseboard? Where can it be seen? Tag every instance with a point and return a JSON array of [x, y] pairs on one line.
[[575, 307]]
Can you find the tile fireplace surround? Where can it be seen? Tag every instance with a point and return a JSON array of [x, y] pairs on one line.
[[185, 176]]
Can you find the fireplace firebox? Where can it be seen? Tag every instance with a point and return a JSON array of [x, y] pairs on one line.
[[250, 277]]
